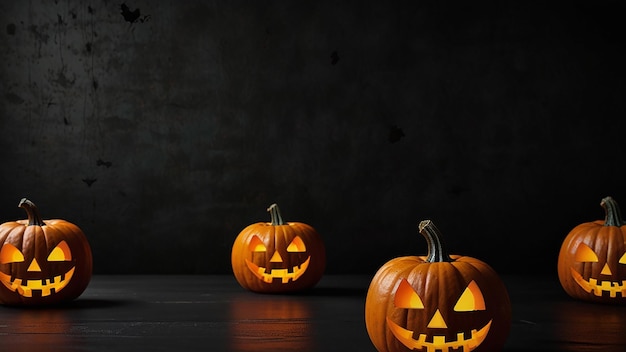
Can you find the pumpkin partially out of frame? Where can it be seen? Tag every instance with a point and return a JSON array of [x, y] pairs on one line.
[[592, 259], [437, 302], [278, 256], [42, 262]]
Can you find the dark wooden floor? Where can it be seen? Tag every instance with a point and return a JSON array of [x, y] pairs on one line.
[[213, 313]]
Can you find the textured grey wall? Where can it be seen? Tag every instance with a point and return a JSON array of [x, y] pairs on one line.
[[165, 127]]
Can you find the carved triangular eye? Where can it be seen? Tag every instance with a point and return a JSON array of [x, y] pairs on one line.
[[622, 260], [256, 245], [10, 254], [297, 245], [60, 253], [406, 297], [471, 299], [585, 254]]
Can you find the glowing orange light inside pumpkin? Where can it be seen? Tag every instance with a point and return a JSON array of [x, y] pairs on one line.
[[284, 274], [297, 245], [256, 245], [10, 254], [470, 300], [278, 256], [585, 254], [60, 253], [591, 258], [406, 297]]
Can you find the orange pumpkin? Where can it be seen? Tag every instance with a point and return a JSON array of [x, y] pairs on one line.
[[437, 302], [278, 256], [42, 262], [592, 259]]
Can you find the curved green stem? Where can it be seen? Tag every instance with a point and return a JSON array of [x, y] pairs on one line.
[[276, 219], [33, 213], [436, 252], [613, 214]]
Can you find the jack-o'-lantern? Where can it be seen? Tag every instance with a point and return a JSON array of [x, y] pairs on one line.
[[42, 262], [592, 259], [437, 302], [278, 256]]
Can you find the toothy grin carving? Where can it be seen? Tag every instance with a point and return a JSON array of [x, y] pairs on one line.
[[439, 343], [284, 274], [612, 287], [25, 287]]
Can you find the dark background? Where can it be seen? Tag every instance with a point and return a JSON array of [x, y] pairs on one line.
[[164, 129]]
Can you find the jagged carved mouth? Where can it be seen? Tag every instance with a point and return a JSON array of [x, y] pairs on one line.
[[25, 287], [439, 343], [612, 287], [283, 274]]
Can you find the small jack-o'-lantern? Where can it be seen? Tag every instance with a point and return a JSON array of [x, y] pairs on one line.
[[437, 303], [42, 262], [278, 256], [592, 259]]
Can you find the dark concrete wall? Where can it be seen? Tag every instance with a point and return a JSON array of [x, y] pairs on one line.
[[163, 132]]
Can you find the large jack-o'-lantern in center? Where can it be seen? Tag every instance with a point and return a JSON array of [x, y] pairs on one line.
[[437, 303]]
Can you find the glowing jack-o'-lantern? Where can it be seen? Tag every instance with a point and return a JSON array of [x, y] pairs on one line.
[[278, 256], [437, 303], [42, 262], [592, 259]]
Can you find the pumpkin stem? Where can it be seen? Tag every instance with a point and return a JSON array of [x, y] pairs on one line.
[[433, 237], [276, 219], [613, 214], [33, 213]]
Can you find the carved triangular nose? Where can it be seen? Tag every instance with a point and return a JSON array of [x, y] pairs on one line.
[[606, 270], [276, 258], [34, 266], [437, 321]]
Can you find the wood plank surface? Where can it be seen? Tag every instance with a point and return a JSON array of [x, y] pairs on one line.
[[213, 313]]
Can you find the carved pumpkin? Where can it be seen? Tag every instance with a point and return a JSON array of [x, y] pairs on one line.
[[592, 259], [278, 256], [437, 302], [42, 262]]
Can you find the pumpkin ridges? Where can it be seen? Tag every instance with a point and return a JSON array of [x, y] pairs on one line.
[[34, 239], [439, 285], [584, 279], [30, 234], [276, 238], [379, 294], [593, 238], [246, 234], [16, 238], [608, 245], [11, 233], [6, 230], [61, 230], [386, 280], [52, 233], [280, 244], [441, 281]]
